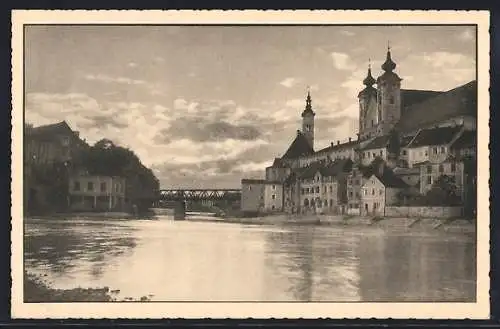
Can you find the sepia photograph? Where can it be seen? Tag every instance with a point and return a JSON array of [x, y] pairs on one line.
[[258, 163]]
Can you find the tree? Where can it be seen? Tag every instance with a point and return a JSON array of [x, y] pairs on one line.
[[443, 192]]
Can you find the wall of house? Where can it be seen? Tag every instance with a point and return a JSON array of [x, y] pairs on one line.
[[96, 192], [353, 186], [372, 197], [319, 194], [438, 153], [273, 197], [417, 155], [425, 212], [252, 197], [367, 156], [429, 173], [276, 174]]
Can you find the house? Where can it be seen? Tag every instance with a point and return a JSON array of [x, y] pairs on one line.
[[48, 144], [319, 189], [278, 171], [430, 172], [465, 145], [252, 195], [379, 190], [273, 196], [336, 151], [96, 193], [432, 144]]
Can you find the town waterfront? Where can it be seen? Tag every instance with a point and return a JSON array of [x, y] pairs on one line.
[[170, 260]]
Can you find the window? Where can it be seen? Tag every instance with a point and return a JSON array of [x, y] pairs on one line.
[[103, 187], [331, 203], [76, 186], [441, 169], [317, 189], [357, 181], [443, 150], [434, 150], [374, 154], [373, 123], [331, 189], [429, 180], [90, 186], [272, 207], [429, 169], [368, 155], [426, 153], [453, 167], [373, 191], [380, 192], [364, 192], [326, 203], [350, 194], [274, 187], [273, 197], [403, 152], [381, 153]]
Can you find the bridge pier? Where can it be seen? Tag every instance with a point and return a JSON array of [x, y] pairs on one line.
[[180, 210]]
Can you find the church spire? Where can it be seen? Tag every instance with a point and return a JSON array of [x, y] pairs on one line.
[[388, 65], [369, 80], [308, 108]]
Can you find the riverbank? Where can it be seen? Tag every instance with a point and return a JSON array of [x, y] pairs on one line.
[[37, 290], [456, 225]]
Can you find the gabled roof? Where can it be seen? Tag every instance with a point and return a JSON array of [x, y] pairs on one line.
[[377, 143], [386, 177], [413, 96], [405, 140], [334, 147], [327, 169], [252, 181], [466, 140], [456, 102], [299, 147], [50, 130], [435, 136]]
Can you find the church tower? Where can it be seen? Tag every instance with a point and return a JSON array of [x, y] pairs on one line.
[[308, 121], [388, 96], [368, 118]]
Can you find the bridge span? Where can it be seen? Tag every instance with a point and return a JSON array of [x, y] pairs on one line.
[[177, 198]]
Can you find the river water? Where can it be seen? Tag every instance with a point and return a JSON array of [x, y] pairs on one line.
[[205, 261]]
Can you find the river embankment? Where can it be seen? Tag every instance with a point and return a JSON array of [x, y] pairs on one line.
[[456, 225]]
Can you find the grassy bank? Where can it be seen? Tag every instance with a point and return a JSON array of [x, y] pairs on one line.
[[36, 289]]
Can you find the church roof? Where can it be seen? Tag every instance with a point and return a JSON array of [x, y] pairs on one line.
[[299, 147], [277, 163], [339, 146], [456, 102], [435, 136]]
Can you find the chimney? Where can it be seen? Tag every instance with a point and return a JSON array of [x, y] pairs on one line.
[[77, 133], [338, 142], [331, 144], [298, 132], [349, 139]]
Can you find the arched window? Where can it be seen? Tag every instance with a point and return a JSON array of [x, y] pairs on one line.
[[306, 202]]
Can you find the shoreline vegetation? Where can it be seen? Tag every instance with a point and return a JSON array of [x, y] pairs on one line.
[[37, 289]]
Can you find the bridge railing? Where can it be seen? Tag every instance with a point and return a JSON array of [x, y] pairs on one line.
[[199, 194]]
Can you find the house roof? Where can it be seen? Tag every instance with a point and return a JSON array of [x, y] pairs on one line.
[[386, 177], [405, 140], [277, 163], [442, 106], [435, 136], [327, 169], [466, 140], [50, 130], [376, 143], [339, 146], [252, 181], [413, 96], [299, 147]]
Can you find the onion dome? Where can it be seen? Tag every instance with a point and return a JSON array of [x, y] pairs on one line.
[[369, 80], [388, 65]]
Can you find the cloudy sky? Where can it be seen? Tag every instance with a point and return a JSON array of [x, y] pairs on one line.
[[205, 106]]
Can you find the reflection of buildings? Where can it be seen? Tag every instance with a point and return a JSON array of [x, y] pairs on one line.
[[315, 264], [416, 268]]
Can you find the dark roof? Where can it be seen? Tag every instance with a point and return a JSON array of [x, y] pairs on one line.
[[456, 102], [377, 143], [435, 136], [405, 140], [299, 147], [294, 175], [387, 176], [412, 96], [253, 181], [466, 140], [50, 130], [277, 163], [333, 147], [328, 169]]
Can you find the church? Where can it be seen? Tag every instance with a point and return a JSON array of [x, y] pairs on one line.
[[402, 127]]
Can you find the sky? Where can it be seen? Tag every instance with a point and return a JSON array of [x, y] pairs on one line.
[[205, 106]]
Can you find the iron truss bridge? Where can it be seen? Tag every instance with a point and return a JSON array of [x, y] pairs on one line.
[[200, 195]]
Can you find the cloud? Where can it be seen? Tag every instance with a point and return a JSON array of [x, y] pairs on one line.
[[109, 79], [132, 65], [342, 61], [467, 35], [289, 82]]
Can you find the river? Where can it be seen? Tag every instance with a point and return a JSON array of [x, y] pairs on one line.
[[206, 261]]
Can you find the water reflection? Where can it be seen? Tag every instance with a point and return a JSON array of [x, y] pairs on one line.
[[188, 261]]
